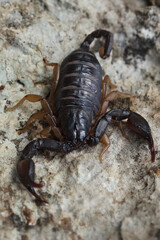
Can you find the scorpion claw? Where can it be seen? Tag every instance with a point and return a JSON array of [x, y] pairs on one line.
[[135, 122], [32, 191], [26, 171], [138, 124], [36, 185]]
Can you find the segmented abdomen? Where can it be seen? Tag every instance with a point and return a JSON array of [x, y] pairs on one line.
[[80, 82]]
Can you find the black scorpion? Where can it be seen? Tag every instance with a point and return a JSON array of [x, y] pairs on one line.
[[78, 99]]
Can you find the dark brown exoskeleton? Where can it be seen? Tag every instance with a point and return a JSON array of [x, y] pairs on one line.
[[78, 99]]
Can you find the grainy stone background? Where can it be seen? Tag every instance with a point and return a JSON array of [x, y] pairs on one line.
[[115, 200]]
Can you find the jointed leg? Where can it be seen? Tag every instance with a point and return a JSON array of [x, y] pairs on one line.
[[116, 94], [47, 114], [105, 140], [40, 115], [34, 116], [106, 82], [55, 79], [33, 98], [120, 125], [52, 122], [122, 130], [46, 131], [104, 104], [111, 97], [29, 97]]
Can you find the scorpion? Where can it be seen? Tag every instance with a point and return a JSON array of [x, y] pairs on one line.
[[76, 112]]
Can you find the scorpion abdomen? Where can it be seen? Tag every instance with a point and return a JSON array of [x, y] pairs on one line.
[[80, 81], [78, 93]]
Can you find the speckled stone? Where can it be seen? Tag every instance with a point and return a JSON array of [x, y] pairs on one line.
[[115, 200]]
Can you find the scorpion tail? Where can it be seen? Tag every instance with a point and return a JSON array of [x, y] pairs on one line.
[[105, 50]]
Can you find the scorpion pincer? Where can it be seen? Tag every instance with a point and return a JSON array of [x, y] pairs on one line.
[[76, 111]]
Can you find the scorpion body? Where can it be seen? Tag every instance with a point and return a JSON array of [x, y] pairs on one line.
[[77, 109], [78, 94]]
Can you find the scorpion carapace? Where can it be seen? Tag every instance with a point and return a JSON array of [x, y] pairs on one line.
[[76, 112]]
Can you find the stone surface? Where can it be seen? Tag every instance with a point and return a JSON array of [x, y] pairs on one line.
[[118, 199]]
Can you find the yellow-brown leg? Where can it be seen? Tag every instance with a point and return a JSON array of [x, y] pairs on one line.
[[122, 130], [105, 84], [29, 97], [116, 94], [111, 97], [33, 98], [47, 114], [51, 121], [55, 79], [105, 140], [46, 131], [34, 116]]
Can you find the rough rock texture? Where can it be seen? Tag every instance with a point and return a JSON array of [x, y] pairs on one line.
[[115, 200]]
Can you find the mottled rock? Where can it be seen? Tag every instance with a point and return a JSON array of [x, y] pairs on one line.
[[118, 199]]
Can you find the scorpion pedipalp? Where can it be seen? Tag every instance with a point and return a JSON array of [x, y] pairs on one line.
[[134, 121], [26, 166], [26, 172]]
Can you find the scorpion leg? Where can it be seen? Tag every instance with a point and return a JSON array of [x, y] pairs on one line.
[[55, 79], [52, 122], [33, 98], [122, 130], [104, 102], [111, 97], [39, 115], [134, 121], [116, 94], [106, 82], [106, 142], [104, 50], [46, 131], [34, 116], [47, 114], [26, 167]]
